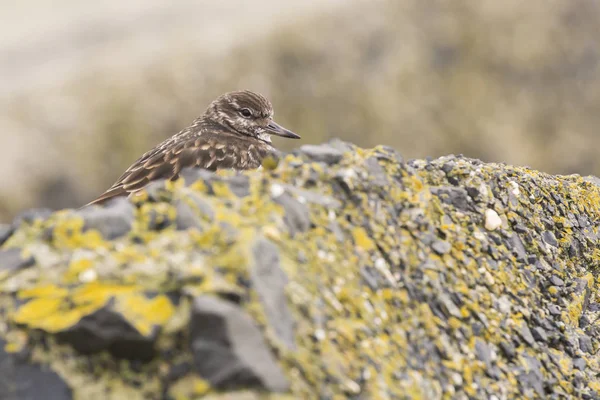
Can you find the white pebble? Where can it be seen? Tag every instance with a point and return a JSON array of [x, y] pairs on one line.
[[89, 275], [514, 188], [492, 220], [276, 190]]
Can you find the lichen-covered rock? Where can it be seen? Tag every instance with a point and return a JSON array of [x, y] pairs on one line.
[[325, 276]]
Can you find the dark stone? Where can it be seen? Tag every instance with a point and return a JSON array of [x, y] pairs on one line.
[[585, 344], [269, 281], [112, 220], [324, 153], [229, 350], [456, 196], [516, 245], [23, 380], [179, 370], [297, 215], [11, 260], [441, 247], [6, 231], [533, 379], [472, 192], [549, 238], [508, 349], [106, 329], [520, 228]]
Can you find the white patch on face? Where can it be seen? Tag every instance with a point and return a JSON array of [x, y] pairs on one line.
[[265, 137]]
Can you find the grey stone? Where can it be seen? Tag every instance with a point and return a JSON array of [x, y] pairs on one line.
[[270, 280], [533, 379], [585, 344], [448, 306], [517, 247], [539, 334], [556, 281], [322, 153], [239, 185], [297, 215], [441, 247], [592, 179], [549, 238], [579, 363], [112, 220], [526, 335], [11, 260], [192, 175], [5, 231], [313, 197], [483, 352], [377, 175], [341, 145], [20, 380], [191, 210], [229, 350]]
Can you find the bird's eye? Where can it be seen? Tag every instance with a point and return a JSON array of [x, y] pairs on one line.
[[245, 112]]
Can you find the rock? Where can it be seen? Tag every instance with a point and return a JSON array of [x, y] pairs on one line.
[[270, 282], [441, 247], [458, 197], [191, 210], [29, 216], [322, 153], [310, 279], [11, 260], [229, 350], [585, 344], [109, 330], [492, 220], [5, 232], [297, 215], [549, 238], [21, 380], [112, 220]]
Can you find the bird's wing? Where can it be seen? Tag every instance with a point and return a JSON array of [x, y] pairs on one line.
[[169, 158]]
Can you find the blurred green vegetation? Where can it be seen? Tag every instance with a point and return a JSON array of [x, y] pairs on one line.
[[511, 81]]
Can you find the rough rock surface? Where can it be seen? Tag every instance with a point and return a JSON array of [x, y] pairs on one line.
[[353, 276]]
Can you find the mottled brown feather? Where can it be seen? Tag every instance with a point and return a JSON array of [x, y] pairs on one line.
[[208, 153], [220, 139]]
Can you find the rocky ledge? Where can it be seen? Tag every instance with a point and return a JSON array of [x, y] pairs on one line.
[[335, 272]]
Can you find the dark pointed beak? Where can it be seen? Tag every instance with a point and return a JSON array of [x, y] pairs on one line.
[[275, 129]]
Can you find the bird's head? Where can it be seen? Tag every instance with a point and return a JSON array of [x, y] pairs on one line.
[[247, 113]]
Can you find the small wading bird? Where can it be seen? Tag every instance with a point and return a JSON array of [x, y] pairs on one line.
[[233, 133]]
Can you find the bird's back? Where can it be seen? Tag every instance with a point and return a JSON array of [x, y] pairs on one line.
[[209, 149]]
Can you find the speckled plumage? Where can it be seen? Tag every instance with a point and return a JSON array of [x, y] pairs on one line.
[[233, 133]]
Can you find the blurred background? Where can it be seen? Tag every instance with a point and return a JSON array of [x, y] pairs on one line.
[[87, 87]]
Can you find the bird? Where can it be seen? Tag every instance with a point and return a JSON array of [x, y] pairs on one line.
[[234, 132]]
